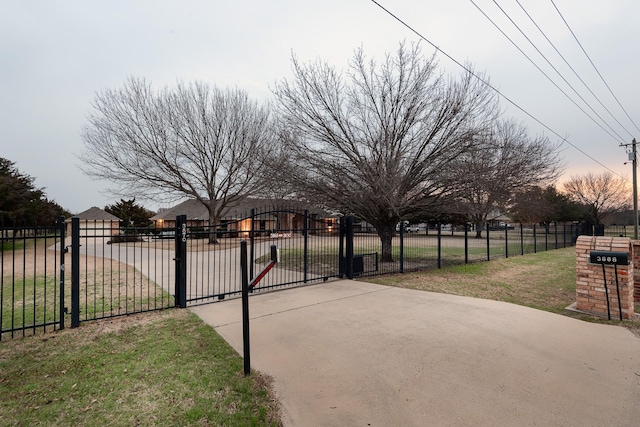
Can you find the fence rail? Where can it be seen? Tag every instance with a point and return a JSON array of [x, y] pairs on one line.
[[115, 271]]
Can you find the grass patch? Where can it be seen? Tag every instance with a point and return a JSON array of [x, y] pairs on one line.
[[545, 280], [160, 368], [29, 302], [30, 288]]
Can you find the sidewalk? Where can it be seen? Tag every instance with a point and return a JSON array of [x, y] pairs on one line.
[[349, 353]]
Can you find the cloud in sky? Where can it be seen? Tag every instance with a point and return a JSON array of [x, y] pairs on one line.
[[54, 56]]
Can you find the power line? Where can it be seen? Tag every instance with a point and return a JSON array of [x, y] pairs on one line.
[[620, 139], [594, 65], [571, 68], [564, 139]]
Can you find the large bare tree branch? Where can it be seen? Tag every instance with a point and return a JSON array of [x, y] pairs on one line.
[[503, 163], [189, 141], [375, 140]]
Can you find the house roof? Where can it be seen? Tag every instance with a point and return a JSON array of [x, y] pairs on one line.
[[96, 214], [195, 210]]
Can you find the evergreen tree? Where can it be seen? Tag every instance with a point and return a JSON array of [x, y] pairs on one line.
[[130, 213], [21, 201]]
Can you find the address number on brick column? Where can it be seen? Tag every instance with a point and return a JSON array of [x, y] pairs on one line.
[[610, 258]]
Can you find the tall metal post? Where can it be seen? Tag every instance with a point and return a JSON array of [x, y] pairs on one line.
[[252, 242], [633, 156], [488, 244], [401, 246], [246, 341], [466, 243], [342, 265], [181, 261], [635, 190], [349, 248], [506, 241], [63, 227], [75, 272], [439, 245], [305, 255]]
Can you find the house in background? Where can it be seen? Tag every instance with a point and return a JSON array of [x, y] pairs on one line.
[[96, 222], [269, 216]]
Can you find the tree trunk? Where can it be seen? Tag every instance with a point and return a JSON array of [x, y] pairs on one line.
[[479, 224], [386, 233], [214, 222]]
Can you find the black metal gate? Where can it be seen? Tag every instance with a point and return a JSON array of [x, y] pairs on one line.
[[308, 245]]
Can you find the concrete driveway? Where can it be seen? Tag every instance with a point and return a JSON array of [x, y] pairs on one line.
[[348, 353]]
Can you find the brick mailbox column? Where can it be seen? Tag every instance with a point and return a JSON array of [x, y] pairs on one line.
[[590, 290]]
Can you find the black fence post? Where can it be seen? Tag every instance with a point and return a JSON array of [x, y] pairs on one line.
[[75, 272], [180, 261], [246, 342], [466, 243], [564, 235], [305, 254], [488, 244], [252, 240], [349, 248], [401, 246], [439, 245], [535, 240], [342, 223], [546, 237], [521, 240], [555, 229], [62, 232], [506, 241]]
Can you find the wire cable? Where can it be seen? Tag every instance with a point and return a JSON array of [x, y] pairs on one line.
[[594, 65], [619, 139], [571, 68], [564, 139]]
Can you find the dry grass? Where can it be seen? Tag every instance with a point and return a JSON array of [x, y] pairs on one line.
[[544, 281]]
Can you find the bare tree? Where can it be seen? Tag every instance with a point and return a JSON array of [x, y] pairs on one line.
[[602, 194], [193, 140], [504, 162], [374, 141]]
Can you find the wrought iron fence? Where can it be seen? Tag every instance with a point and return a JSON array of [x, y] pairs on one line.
[[118, 271], [439, 246], [114, 270], [31, 279]]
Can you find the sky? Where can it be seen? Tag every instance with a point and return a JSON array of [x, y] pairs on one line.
[[56, 54]]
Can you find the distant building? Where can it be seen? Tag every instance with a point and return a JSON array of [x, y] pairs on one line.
[[96, 222], [269, 216]]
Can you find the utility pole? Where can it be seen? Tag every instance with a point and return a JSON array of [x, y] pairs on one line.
[[635, 190], [633, 156]]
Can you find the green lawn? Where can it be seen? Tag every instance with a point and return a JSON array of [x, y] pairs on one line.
[[545, 280], [160, 368]]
